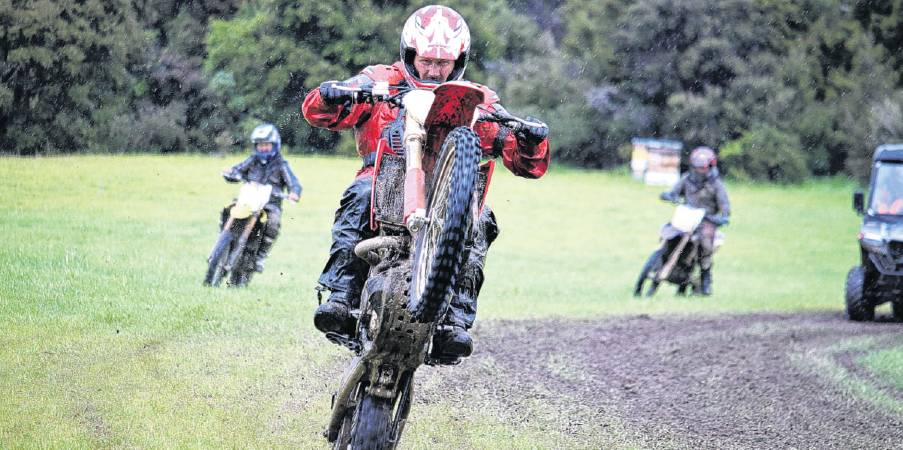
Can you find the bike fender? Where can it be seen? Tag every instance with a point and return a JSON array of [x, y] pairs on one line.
[[350, 379], [240, 212]]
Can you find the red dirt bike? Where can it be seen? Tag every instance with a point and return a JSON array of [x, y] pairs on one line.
[[428, 189]]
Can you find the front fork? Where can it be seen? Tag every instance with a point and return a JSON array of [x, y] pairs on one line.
[[242, 240], [417, 106]]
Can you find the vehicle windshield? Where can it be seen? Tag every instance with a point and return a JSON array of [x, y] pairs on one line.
[[887, 193]]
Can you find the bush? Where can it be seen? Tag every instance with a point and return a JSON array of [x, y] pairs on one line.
[[766, 153], [153, 129]]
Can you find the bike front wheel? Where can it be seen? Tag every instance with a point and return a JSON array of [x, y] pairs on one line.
[[216, 264], [651, 265], [440, 245]]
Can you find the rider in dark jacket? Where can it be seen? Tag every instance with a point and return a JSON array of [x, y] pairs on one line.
[[435, 45], [702, 188], [266, 166]]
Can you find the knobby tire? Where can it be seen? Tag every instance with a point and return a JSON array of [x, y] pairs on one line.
[[371, 428], [858, 306], [216, 266], [644, 272], [440, 246]]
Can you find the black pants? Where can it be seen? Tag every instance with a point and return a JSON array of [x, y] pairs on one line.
[[274, 221], [345, 273]]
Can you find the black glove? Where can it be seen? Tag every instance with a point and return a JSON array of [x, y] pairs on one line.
[[534, 134], [718, 220], [332, 95], [232, 176], [668, 197]]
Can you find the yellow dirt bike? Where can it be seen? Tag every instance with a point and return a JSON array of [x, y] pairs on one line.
[[241, 231]]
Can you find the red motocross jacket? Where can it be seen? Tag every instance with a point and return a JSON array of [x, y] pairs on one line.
[[522, 158]]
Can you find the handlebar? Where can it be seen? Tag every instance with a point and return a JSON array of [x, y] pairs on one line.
[[505, 118], [237, 178], [382, 91]]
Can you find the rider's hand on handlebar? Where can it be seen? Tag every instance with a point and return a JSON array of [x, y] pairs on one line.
[[535, 134], [231, 176], [668, 197], [332, 94], [294, 197], [718, 220]]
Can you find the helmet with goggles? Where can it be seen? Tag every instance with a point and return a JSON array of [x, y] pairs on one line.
[[435, 32]]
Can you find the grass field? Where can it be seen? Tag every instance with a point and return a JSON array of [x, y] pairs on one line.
[[108, 339]]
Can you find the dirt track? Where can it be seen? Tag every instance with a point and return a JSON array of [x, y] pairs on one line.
[[750, 381]]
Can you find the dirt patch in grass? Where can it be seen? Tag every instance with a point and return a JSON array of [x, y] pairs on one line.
[[738, 381]]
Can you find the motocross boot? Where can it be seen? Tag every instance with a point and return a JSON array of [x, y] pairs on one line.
[[451, 342], [265, 245], [705, 276], [334, 315]]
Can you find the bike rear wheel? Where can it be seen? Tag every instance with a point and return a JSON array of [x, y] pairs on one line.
[[371, 425], [216, 267], [440, 245], [243, 269]]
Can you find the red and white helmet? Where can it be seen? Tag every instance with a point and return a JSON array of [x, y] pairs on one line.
[[703, 157], [435, 31]]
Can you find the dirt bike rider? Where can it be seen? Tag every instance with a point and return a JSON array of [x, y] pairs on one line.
[[266, 166], [435, 46], [702, 188]]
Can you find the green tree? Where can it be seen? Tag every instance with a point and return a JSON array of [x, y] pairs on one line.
[[272, 52], [64, 69]]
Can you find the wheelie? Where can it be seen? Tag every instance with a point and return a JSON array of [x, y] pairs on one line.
[[878, 277], [249, 225], [412, 231], [691, 238]]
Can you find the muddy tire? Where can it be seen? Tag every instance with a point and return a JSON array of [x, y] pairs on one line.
[[217, 262], [654, 259], [343, 440], [371, 430], [858, 306], [653, 288], [440, 245], [241, 275]]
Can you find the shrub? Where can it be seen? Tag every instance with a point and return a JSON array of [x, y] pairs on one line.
[[766, 153]]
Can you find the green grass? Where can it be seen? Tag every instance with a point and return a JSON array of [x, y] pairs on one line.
[[107, 338], [887, 364]]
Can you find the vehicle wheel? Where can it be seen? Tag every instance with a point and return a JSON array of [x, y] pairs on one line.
[[241, 275], [344, 438], [859, 308], [217, 261], [402, 409], [653, 287], [897, 308], [370, 430], [650, 265], [440, 245]]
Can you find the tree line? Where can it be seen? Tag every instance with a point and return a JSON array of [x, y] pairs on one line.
[[783, 89]]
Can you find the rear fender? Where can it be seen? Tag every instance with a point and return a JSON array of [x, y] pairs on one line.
[[342, 399]]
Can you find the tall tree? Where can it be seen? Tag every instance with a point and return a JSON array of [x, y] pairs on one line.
[[64, 68]]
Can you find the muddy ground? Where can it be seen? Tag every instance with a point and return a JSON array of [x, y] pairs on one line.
[[744, 381]]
